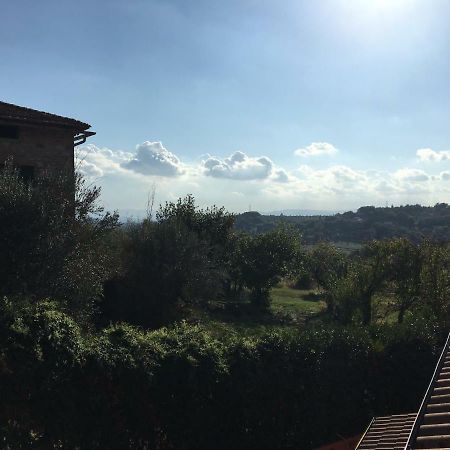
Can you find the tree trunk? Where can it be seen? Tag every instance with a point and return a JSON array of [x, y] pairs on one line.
[[260, 297], [367, 309], [401, 313]]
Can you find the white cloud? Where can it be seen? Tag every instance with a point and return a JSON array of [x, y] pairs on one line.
[[127, 178], [427, 154], [414, 175], [239, 166], [340, 187], [316, 149], [280, 176], [93, 161], [152, 158], [89, 169]]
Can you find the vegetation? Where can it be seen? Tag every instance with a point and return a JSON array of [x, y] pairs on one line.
[[413, 222], [182, 388], [183, 333]]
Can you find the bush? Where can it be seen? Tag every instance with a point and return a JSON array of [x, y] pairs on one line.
[[181, 388], [51, 240], [168, 264]]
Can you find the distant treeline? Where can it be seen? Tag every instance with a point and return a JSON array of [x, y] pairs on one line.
[[413, 222]]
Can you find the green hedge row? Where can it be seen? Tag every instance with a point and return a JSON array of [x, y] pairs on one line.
[[180, 388]]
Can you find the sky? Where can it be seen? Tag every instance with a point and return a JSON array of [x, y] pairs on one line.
[[261, 104]]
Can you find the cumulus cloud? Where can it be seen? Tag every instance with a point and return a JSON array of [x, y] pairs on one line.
[[89, 169], [316, 149], [93, 161], [427, 154], [414, 175], [152, 158], [239, 166], [126, 177], [341, 184], [280, 176], [347, 176]]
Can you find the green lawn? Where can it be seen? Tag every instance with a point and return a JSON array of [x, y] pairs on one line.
[[289, 308], [297, 303], [302, 301]]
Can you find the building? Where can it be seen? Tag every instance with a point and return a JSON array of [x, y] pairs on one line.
[[429, 428], [39, 142]]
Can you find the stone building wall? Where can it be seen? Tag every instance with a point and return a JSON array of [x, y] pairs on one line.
[[46, 149]]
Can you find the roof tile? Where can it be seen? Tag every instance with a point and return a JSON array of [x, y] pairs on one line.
[[15, 113]]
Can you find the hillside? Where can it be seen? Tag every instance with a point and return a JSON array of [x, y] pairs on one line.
[[367, 223]]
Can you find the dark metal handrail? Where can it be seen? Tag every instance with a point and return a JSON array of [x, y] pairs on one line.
[[426, 398]]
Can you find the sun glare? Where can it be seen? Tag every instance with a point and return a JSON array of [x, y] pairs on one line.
[[377, 6], [388, 7], [370, 19]]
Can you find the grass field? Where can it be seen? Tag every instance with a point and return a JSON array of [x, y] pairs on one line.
[[301, 302], [289, 308]]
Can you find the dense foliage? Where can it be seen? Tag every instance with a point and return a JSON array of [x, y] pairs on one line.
[[98, 349], [180, 388], [411, 221], [51, 242], [167, 264]]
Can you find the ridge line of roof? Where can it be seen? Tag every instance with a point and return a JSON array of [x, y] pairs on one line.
[[26, 114]]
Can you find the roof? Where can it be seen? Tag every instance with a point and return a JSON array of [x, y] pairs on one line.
[[15, 113], [388, 433], [342, 444]]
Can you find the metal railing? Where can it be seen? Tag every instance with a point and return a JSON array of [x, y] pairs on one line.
[[426, 398], [365, 432]]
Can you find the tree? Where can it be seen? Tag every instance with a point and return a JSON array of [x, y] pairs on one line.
[[51, 239], [233, 280], [327, 264], [405, 265], [266, 258], [402, 263], [353, 291], [213, 225], [435, 278], [169, 264]]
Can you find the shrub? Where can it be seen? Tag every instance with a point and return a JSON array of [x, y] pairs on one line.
[[181, 388]]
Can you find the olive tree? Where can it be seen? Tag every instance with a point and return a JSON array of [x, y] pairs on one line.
[[52, 234]]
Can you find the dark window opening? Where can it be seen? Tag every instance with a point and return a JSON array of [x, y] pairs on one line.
[[9, 132], [26, 173]]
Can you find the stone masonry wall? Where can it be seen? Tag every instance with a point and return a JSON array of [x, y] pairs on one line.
[[46, 149]]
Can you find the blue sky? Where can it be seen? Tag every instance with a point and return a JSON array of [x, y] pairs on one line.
[[326, 104]]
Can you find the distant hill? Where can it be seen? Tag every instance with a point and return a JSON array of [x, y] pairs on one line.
[[367, 223], [302, 212]]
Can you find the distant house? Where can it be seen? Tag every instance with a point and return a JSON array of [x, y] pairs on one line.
[[39, 142]]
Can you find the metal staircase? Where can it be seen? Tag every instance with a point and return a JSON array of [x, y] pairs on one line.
[[431, 429]]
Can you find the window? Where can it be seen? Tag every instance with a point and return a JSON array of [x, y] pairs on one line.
[[9, 132], [25, 172]]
